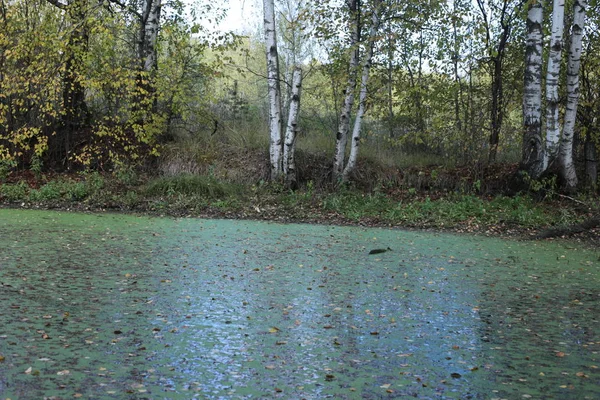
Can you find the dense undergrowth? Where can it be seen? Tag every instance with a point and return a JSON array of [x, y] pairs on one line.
[[426, 197]]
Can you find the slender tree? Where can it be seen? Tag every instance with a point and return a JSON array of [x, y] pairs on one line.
[[149, 28], [552, 81], [289, 164], [275, 148], [497, 47], [533, 147], [567, 167], [362, 101], [341, 139], [75, 109]]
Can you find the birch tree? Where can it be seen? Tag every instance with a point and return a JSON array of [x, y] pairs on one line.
[[149, 27], [558, 145], [275, 147], [341, 168], [362, 96], [533, 147], [341, 139], [289, 164], [552, 81], [567, 168]]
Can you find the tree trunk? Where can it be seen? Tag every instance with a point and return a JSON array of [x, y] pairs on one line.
[[457, 80], [591, 163], [497, 112], [344, 124], [76, 113], [533, 149], [362, 97], [390, 86], [567, 168], [149, 34], [275, 148], [289, 165], [148, 37], [552, 80]]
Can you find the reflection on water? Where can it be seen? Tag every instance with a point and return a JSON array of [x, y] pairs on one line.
[[110, 306]]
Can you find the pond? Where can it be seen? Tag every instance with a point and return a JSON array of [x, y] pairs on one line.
[[113, 306]]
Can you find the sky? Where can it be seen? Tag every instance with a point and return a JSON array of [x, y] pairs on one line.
[[242, 16]]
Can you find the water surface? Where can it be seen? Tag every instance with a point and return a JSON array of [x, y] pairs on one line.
[[125, 307]]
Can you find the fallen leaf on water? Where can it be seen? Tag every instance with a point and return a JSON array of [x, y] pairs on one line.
[[63, 372], [270, 366], [2, 358], [274, 329], [385, 386], [581, 375], [28, 370], [560, 354], [77, 395]]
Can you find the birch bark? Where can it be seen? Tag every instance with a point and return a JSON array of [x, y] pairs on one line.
[[567, 168], [552, 80], [362, 97], [344, 127], [289, 164], [275, 148], [533, 148], [149, 35]]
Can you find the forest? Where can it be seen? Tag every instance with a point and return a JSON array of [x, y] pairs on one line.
[[417, 99], [376, 199]]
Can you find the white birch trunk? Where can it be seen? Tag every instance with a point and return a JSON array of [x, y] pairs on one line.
[[151, 25], [533, 148], [289, 164], [344, 127], [567, 168], [362, 98], [552, 78], [275, 148]]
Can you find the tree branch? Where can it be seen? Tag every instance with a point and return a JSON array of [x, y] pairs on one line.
[[124, 7]]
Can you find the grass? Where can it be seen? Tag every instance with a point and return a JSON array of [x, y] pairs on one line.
[[192, 185], [216, 178], [447, 212], [188, 194]]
